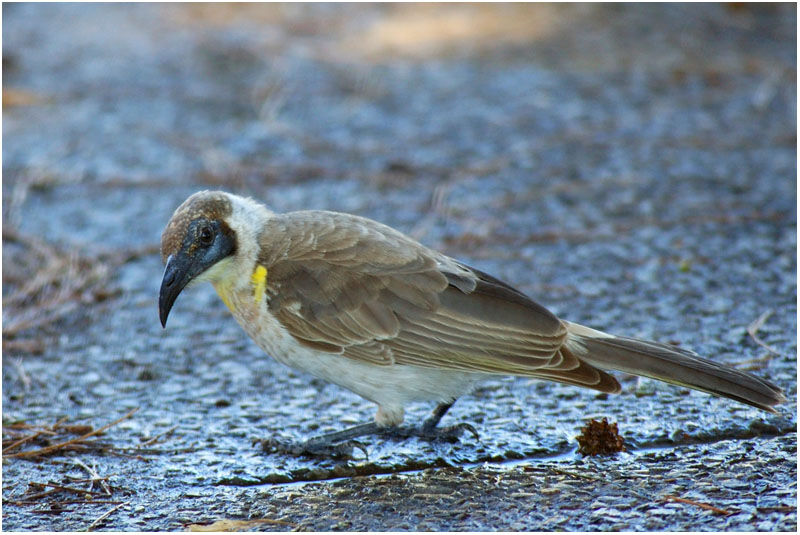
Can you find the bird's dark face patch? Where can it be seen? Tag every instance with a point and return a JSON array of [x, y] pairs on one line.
[[212, 238], [196, 238], [204, 205]]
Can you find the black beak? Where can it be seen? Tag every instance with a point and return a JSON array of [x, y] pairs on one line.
[[177, 275], [191, 261]]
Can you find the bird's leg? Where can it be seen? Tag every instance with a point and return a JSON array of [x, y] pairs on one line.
[[436, 416], [430, 431], [341, 444]]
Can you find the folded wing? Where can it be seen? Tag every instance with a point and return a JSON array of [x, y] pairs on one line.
[[354, 287]]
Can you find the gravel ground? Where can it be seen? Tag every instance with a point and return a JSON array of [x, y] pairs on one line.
[[631, 167]]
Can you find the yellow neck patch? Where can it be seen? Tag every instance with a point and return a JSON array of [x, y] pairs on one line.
[[259, 281], [224, 296], [223, 290]]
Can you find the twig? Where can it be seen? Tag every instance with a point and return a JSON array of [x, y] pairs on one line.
[[76, 479], [55, 447], [95, 476], [23, 440], [105, 515], [48, 430], [58, 423], [51, 511], [40, 494], [54, 488], [62, 281], [128, 455], [777, 509], [34, 347], [753, 364], [717, 510], [65, 502], [92, 446], [63, 488], [753, 328], [158, 436]]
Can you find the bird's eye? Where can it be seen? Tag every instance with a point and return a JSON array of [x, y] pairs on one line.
[[206, 235]]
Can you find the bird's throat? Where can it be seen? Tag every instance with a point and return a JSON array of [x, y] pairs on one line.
[[231, 296], [224, 292]]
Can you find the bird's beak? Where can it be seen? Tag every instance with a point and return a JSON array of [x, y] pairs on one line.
[[177, 275]]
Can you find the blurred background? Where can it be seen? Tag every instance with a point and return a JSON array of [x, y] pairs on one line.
[[630, 166], [397, 111]]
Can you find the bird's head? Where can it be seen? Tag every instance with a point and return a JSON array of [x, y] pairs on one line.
[[197, 238]]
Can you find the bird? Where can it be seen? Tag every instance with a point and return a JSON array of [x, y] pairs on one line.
[[359, 304]]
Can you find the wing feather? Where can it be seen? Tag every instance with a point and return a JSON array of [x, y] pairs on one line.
[[347, 285]]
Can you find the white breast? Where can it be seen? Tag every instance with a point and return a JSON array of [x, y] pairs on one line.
[[391, 387]]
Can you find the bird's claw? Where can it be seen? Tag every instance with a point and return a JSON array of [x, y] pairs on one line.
[[451, 433], [432, 433], [340, 450]]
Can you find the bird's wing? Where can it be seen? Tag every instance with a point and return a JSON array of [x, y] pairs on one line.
[[347, 285]]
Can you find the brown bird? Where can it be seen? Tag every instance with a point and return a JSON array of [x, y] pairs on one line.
[[361, 305]]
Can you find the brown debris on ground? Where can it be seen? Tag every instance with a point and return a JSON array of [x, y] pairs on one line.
[[701, 505], [54, 498], [44, 283], [600, 438], [17, 434]]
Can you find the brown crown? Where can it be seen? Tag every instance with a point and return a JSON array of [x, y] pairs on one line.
[[211, 205]]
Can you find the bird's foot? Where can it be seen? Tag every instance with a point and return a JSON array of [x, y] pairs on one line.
[[450, 433], [430, 433], [337, 445], [341, 444], [315, 447]]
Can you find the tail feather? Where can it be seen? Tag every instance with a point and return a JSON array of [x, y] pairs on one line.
[[672, 365]]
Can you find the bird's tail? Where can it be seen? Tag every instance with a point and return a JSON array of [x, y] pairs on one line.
[[670, 364]]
